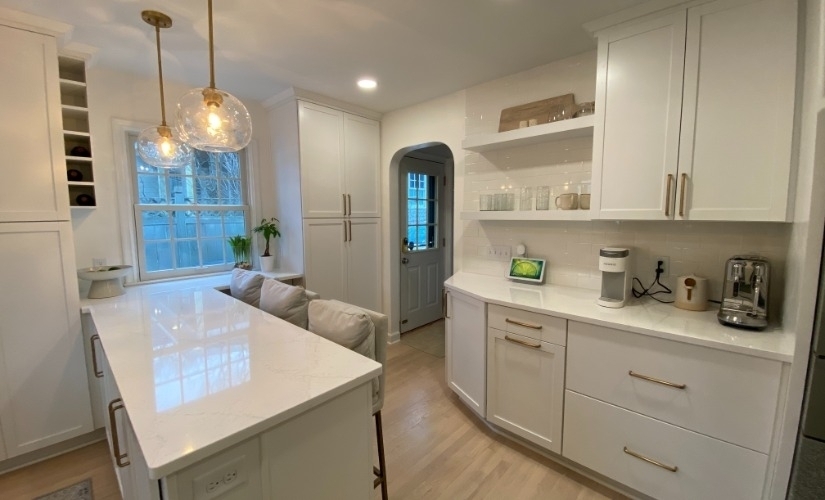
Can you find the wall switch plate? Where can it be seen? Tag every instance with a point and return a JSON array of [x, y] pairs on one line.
[[665, 264], [497, 252]]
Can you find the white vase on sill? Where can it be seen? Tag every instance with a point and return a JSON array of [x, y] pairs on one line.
[[268, 263]]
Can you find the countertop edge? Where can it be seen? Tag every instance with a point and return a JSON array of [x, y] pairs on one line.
[[157, 472], [686, 339]]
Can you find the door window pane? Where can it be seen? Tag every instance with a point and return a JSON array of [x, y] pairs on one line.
[[422, 191]]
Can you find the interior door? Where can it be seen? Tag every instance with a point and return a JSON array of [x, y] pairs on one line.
[[421, 247]]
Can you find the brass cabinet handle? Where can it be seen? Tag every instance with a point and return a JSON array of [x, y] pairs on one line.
[[521, 342], [344, 199], [349, 225], [682, 196], [349, 204], [98, 371], [115, 405], [671, 468], [446, 302], [525, 325], [667, 195], [657, 380], [345, 230]]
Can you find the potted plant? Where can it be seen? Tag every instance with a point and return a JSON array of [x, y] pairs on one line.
[[269, 229], [240, 250]]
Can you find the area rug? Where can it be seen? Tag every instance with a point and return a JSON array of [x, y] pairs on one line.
[[79, 491], [428, 338]]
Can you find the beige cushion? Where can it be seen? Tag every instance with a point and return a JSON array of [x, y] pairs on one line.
[[285, 301], [346, 325], [246, 286]]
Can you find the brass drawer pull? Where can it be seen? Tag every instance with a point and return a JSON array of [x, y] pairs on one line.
[[517, 341], [657, 380], [667, 195], [671, 468], [525, 325], [98, 371], [115, 405]]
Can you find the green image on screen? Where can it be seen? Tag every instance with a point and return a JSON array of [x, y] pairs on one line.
[[526, 268]]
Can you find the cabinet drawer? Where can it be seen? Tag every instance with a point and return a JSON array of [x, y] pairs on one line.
[[525, 387], [529, 324], [597, 434], [724, 395]]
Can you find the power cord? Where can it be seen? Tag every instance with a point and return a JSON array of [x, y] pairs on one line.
[[647, 291]]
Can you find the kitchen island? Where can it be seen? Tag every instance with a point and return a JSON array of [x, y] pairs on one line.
[[208, 397]]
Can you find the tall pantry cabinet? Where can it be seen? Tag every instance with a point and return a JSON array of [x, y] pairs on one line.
[[44, 393], [328, 195]]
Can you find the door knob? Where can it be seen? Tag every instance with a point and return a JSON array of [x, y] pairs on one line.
[[404, 260]]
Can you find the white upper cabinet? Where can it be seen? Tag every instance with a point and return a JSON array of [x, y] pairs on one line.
[[695, 114], [34, 186], [737, 115], [322, 178], [636, 143], [339, 163], [361, 160]]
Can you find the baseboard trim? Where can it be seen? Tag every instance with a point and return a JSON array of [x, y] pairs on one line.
[[394, 338], [52, 451]]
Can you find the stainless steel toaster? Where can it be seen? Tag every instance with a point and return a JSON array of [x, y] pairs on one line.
[[745, 292]]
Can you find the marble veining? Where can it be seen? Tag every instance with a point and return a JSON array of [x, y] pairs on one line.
[[199, 371], [646, 317]]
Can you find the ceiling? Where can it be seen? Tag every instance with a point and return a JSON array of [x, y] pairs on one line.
[[416, 49]]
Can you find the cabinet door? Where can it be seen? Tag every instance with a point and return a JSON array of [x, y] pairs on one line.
[[361, 166], [325, 257], [34, 186], [94, 371], [466, 346], [321, 148], [44, 392], [636, 141], [364, 263], [737, 118], [142, 488], [525, 387]]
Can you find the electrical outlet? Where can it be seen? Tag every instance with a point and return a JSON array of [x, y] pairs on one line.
[[218, 481], [665, 264]]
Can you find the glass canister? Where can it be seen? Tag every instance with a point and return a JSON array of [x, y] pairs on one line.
[[543, 198], [485, 202], [584, 195]]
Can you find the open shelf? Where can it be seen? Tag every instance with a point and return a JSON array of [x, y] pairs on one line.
[[546, 132], [562, 215], [76, 131]]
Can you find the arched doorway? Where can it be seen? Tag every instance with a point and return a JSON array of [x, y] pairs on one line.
[[421, 232]]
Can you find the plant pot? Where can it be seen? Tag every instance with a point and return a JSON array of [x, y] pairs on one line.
[[268, 263]]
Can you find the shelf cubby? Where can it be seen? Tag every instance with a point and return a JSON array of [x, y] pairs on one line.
[[76, 130]]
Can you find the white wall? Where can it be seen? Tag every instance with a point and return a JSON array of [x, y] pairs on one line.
[[119, 95], [438, 121]]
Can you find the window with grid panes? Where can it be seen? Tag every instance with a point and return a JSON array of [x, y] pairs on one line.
[[183, 217], [421, 211]]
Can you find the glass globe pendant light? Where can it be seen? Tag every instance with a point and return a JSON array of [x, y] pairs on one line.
[[158, 146], [211, 119]]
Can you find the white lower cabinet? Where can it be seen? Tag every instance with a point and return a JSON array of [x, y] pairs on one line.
[[655, 458], [466, 346], [525, 387]]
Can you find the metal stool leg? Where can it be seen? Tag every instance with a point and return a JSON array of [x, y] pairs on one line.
[[381, 470]]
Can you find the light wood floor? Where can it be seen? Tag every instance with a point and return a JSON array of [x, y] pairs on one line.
[[436, 448], [56, 473]]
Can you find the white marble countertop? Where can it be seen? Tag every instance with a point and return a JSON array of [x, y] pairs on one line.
[[199, 371], [646, 317]]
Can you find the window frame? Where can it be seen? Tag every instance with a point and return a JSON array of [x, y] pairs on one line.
[[131, 237]]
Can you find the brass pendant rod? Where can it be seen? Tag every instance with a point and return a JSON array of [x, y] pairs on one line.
[[160, 78], [211, 50]]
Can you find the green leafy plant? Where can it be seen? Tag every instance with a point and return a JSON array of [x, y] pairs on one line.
[[241, 245], [269, 229]]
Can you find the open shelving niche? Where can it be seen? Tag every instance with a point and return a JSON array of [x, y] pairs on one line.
[[546, 132], [76, 132]]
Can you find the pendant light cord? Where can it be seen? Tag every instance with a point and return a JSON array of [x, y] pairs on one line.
[[211, 50], [160, 77]]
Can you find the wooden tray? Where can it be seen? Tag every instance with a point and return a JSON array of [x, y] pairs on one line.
[[541, 111]]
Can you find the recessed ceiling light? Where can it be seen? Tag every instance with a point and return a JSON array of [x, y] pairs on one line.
[[367, 83]]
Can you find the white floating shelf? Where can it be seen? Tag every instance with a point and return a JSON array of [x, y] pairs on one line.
[[546, 132], [527, 215]]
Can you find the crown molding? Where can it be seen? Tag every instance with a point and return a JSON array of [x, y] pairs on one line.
[[313, 97]]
